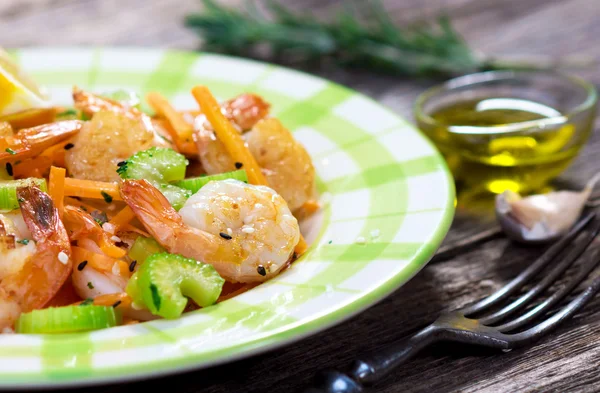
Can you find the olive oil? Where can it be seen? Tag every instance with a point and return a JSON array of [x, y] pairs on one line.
[[496, 144]]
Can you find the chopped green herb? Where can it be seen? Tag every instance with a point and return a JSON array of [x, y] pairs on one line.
[[106, 196], [155, 296], [21, 200], [87, 301], [99, 217], [83, 208], [68, 112], [23, 241], [90, 285], [10, 151], [330, 242]]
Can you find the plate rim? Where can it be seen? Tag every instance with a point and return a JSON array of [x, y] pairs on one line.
[[287, 334]]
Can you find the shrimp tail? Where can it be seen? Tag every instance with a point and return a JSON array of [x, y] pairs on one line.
[[152, 209], [44, 274], [29, 142]]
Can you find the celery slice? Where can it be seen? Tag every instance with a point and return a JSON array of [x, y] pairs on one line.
[[68, 319], [195, 183]]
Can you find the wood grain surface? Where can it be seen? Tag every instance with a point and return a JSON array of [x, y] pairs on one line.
[[565, 361]]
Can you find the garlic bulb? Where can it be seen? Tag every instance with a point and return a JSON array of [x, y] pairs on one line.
[[542, 217]]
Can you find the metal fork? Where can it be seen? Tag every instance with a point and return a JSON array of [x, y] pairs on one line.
[[492, 327]]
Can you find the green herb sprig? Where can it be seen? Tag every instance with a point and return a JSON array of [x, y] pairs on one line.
[[378, 44]]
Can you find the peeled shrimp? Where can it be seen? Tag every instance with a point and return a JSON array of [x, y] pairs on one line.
[[43, 266], [283, 160], [108, 138], [29, 142], [246, 232]]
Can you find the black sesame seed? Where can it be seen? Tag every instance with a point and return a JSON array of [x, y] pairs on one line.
[[9, 169], [121, 244], [81, 266], [225, 236], [261, 270], [116, 304], [238, 165], [132, 266], [121, 163], [106, 196], [69, 146]]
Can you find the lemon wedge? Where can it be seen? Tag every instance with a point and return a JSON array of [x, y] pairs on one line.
[[17, 90]]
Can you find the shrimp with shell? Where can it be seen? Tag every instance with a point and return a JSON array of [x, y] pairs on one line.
[[32, 274], [246, 232]]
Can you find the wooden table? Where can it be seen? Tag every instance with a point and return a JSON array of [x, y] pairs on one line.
[[565, 361]]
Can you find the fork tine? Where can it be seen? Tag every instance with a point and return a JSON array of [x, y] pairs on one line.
[[534, 292], [532, 334], [544, 306], [528, 273]]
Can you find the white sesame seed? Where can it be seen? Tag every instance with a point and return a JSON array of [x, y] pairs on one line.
[[229, 231], [108, 227], [136, 306], [375, 233], [63, 258], [115, 239], [360, 240], [273, 198], [115, 269], [248, 230]]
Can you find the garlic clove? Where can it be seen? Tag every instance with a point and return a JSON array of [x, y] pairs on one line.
[[542, 217]]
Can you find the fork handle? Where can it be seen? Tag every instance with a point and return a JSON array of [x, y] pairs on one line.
[[372, 366], [375, 365]]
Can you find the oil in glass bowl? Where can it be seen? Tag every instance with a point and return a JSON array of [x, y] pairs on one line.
[[504, 131]]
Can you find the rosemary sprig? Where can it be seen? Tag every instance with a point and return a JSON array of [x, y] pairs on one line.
[[378, 44]]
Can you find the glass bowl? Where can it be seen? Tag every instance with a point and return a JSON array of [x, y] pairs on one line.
[[522, 156]]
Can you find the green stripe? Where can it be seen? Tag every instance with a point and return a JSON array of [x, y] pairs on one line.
[[67, 356], [173, 69], [308, 112], [378, 176]]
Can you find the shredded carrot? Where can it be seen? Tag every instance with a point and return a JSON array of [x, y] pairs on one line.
[[32, 167], [228, 135], [91, 189], [311, 206], [56, 188], [233, 142], [80, 204], [98, 261], [111, 299], [122, 218], [182, 131]]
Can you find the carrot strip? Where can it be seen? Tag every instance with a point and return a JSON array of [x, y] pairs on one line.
[[79, 204], [228, 135], [122, 218], [99, 262], [311, 206], [32, 167], [233, 142], [182, 131], [56, 188], [91, 189]]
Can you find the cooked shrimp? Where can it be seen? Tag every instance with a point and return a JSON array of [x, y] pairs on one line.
[[29, 142], [246, 232], [90, 103], [43, 266], [81, 224], [283, 160], [91, 283], [108, 138]]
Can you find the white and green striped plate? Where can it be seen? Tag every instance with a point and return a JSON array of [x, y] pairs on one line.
[[383, 181]]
